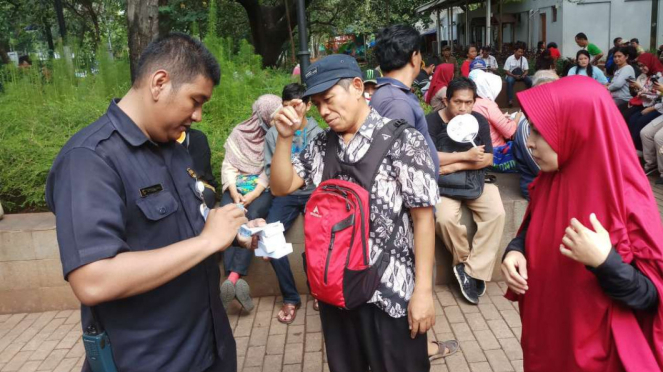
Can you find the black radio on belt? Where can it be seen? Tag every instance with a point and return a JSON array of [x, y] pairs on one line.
[[97, 345]]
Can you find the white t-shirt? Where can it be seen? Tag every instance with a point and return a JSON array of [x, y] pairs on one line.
[[512, 63]]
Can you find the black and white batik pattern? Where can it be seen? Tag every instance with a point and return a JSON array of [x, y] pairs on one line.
[[406, 179]]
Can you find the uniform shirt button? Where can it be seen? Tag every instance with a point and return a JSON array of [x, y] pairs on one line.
[[162, 210]]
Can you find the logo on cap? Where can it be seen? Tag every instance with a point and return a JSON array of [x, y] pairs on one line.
[[311, 73]]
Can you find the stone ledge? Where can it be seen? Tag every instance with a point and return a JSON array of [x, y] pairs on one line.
[[31, 274]]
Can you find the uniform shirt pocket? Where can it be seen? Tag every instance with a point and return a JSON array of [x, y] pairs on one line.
[[158, 206]]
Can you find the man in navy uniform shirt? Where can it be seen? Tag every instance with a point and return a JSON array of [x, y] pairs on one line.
[[134, 242]]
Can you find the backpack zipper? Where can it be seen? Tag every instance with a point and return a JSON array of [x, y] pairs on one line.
[[329, 253], [361, 212]]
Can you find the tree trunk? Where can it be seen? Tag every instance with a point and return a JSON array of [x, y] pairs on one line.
[[164, 21], [269, 27], [60, 13], [49, 36], [143, 22], [4, 57]]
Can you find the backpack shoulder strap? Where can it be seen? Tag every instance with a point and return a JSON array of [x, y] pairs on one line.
[[383, 139], [331, 165]]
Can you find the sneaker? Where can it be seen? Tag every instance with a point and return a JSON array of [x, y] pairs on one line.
[[227, 293], [467, 284], [481, 287], [243, 294]]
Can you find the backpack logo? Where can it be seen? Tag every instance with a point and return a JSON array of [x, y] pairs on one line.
[[315, 212], [385, 136]]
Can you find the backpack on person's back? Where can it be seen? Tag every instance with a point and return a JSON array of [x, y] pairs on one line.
[[337, 225]]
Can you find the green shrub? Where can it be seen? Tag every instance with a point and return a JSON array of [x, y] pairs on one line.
[[41, 108]]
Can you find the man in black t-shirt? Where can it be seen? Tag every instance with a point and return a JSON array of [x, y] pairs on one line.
[[472, 263], [422, 81]]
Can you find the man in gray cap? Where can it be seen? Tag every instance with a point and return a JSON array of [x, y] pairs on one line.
[[388, 333]]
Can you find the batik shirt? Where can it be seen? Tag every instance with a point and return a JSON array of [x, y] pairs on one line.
[[405, 179]]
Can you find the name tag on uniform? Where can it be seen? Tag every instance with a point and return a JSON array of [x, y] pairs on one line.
[[150, 190]]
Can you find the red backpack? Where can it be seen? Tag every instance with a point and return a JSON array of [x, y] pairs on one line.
[[337, 225]]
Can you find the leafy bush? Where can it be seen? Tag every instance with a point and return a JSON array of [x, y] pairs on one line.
[[42, 107]]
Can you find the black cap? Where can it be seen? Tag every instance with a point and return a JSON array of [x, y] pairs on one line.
[[371, 76], [325, 73]]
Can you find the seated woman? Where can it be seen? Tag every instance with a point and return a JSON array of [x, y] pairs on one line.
[[489, 86], [525, 163], [471, 53], [587, 265], [544, 61], [443, 74], [554, 52], [244, 182], [619, 87], [641, 109], [583, 67]]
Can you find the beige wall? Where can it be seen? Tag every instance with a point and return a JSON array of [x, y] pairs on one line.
[[30, 271]]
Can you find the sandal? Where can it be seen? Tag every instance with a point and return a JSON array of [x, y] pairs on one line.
[[316, 305], [288, 310], [451, 347]]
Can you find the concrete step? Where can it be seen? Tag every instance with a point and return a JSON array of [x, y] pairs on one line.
[[31, 273]]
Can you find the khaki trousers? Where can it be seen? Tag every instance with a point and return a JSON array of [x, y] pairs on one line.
[[489, 215]]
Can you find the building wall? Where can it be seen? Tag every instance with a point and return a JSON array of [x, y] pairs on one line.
[[601, 20]]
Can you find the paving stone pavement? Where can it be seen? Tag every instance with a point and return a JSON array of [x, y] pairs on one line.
[[489, 336]]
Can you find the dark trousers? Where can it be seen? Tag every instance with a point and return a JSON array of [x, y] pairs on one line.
[[286, 209], [637, 122], [511, 81], [237, 259], [627, 112], [368, 337]]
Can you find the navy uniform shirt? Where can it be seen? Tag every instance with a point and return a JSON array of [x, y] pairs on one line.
[[94, 189], [394, 100]]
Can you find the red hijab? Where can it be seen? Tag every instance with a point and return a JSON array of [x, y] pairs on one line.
[[444, 73], [652, 63], [569, 324]]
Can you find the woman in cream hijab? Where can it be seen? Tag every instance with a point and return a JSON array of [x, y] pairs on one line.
[[489, 86]]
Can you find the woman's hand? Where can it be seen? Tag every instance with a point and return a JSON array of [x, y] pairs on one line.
[[514, 269], [648, 110], [250, 197], [235, 195], [658, 86], [588, 247]]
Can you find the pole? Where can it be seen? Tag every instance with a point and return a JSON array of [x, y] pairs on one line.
[[438, 42], [303, 54], [467, 22], [449, 25], [500, 34], [654, 24], [489, 38]]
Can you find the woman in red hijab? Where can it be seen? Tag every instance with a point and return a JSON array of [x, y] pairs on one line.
[[649, 67], [587, 264], [444, 73]]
